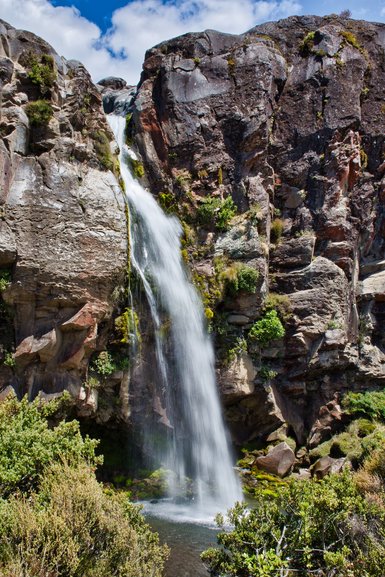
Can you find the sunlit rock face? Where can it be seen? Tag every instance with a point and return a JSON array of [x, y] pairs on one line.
[[288, 120], [63, 230]]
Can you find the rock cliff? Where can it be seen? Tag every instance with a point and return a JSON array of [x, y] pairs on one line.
[[63, 231], [270, 148]]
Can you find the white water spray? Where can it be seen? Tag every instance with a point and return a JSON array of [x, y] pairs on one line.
[[198, 445]]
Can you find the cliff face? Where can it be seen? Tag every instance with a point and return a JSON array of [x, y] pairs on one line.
[[269, 146], [287, 120], [63, 231]]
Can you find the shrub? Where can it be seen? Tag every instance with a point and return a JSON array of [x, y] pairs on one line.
[[370, 404], [306, 527], [28, 445], [39, 112], [268, 328], [74, 528], [103, 364], [216, 212], [239, 277], [42, 72]]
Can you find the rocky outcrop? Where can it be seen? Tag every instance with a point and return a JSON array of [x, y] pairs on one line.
[[269, 147], [287, 121], [63, 231]]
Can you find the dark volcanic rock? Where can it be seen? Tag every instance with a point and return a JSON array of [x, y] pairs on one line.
[[287, 121]]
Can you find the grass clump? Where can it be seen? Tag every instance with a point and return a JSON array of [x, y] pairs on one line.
[[307, 44], [39, 112], [216, 212], [279, 303], [267, 329], [351, 39], [276, 230]]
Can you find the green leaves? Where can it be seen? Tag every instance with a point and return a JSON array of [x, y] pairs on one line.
[[28, 445], [308, 526], [268, 328]]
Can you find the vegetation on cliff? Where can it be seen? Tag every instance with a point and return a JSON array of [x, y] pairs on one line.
[[55, 518]]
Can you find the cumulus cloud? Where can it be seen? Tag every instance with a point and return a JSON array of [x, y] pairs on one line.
[[135, 27]]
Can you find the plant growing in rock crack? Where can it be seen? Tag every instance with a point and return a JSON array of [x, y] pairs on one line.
[[39, 112], [239, 277], [217, 212], [103, 364], [267, 329], [5, 280], [9, 359], [276, 230], [42, 72]]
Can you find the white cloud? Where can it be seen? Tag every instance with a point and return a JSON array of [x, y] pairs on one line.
[[136, 27]]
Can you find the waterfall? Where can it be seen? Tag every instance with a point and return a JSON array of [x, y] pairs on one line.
[[198, 445]]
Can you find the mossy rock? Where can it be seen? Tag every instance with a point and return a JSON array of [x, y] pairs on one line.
[[347, 445]]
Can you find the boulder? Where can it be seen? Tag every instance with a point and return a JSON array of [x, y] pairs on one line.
[[278, 461]]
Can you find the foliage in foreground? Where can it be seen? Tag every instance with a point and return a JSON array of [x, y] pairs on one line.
[[59, 521], [72, 527], [28, 444], [327, 528]]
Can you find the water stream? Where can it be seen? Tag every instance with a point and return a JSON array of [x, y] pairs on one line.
[[197, 445]]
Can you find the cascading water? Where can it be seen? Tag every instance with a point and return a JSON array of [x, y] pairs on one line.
[[197, 445]]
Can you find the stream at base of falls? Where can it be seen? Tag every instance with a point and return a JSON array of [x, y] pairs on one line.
[[186, 541]]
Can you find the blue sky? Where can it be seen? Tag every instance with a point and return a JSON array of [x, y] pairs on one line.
[[110, 37]]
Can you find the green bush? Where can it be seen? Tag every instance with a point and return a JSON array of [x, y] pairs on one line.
[[370, 404], [104, 364], [56, 520], [239, 277], [268, 328], [307, 527], [28, 445], [73, 528], [42, 72], [216, 212], [39, 112]]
